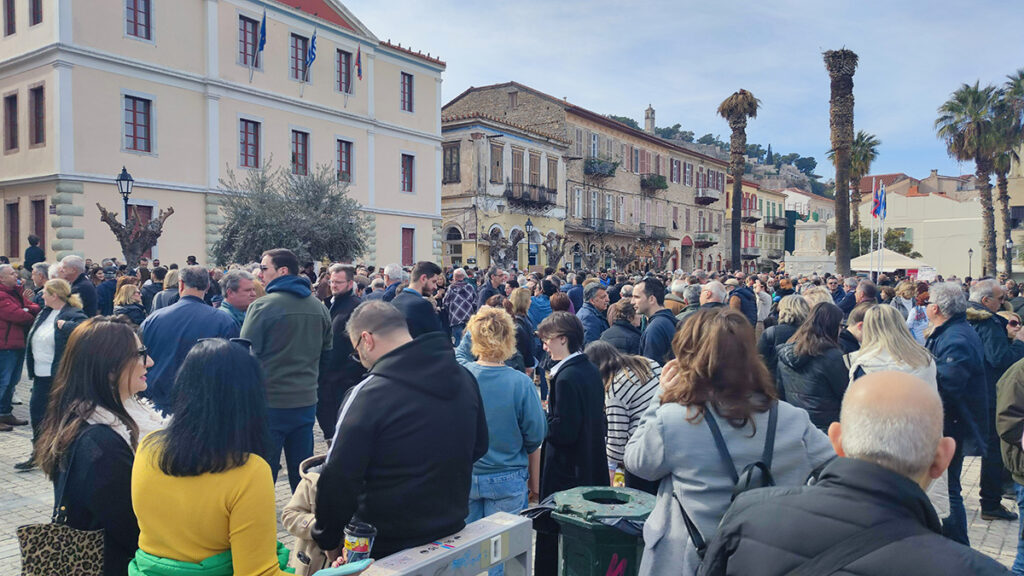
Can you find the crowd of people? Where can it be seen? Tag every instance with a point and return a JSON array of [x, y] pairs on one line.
[[776, 419]]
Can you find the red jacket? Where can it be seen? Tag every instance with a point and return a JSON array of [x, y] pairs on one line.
[[14, 320]]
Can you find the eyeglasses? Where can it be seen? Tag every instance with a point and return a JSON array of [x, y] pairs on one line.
[[143, 353], [354, 356]]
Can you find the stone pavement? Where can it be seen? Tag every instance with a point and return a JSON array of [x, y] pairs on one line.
[[27, 497]]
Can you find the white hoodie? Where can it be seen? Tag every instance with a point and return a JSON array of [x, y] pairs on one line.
[[938, 492]]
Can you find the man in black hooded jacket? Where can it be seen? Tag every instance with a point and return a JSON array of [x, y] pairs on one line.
[[406, 439]]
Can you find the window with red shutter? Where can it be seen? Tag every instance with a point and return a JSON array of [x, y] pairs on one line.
[[298, 56], [300, 153], [248, 36], [407, 172], [344, 71], [344, 160], [37, 116], [137, 123], [249, 143], [138, 19]]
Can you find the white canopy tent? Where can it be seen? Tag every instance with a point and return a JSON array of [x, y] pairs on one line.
[[891, 261]]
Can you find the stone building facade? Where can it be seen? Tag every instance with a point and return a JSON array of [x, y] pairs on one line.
[[632, 200]]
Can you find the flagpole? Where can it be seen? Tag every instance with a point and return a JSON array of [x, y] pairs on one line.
[[874, 196]]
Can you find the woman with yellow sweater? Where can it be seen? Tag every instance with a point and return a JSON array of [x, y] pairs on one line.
[[203, 496]]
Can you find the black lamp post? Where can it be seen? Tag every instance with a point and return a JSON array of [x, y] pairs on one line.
[[124, 186], [1009, 256], [529, 234], [970, 256]]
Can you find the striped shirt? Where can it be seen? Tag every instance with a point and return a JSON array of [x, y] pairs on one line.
[[625, 402]]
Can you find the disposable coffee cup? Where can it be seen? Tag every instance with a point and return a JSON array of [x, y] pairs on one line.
[[359, 538]]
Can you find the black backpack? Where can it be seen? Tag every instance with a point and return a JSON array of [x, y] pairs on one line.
[[755, 475]]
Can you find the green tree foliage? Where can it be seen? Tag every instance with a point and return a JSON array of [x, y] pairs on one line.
[[860, 242], [671, 133], [312, 216], [755, 151], [788, 158], [769, 159], [708, 139], [625, 120], [806, 164]]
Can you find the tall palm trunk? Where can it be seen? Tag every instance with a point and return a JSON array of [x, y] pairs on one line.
[[737, 151], [988, 223], [854, 203], [841, 65], [1004, 211]]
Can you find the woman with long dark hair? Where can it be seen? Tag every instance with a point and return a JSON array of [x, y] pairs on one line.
[[811, 372], [88, 439], [630, 382], [202, 492], [717, 375]]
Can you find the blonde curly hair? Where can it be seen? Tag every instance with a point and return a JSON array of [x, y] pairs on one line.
[[493, 334]]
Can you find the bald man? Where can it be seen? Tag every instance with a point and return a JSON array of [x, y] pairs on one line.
[[868, 512]]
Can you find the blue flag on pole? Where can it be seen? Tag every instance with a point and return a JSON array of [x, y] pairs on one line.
[[311, 53], [881, 202], [263, 33]]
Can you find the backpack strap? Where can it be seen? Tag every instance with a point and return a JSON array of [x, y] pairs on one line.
[[858, 546], [59, 509], [723, 451], [695, 536]]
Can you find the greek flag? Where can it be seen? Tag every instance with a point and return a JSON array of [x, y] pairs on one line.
[[311, 53]]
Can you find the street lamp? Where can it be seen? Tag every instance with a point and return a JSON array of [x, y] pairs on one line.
[[529, 234], [124, 186], [1009, 255], [970, 256]]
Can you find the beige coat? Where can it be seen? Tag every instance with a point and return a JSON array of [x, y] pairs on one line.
[[298, 518]]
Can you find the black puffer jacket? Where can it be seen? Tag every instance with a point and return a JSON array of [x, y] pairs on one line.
[[814, 383], [770, 340], [772, 531], [624, 336]]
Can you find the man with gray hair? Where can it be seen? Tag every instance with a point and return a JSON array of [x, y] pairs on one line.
[[170, 332], [72, 269], [849, 299], [239, 289], [460, 302], [592, 314], [40, 274], [384, 466], [986, 299], [392, 278], [674, 300], [960, 373], [868, 512], [691, 295]]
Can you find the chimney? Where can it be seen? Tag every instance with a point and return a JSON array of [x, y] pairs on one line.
[[934, 174], [649, 120]]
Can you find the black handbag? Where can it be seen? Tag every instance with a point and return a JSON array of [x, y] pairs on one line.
[[56, 548]]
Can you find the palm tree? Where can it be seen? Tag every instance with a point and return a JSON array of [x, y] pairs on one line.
[[736, 109], [863, 153], [966, 124], [841, 65], [1010, 136]]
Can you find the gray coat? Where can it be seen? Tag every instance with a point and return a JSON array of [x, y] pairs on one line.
[[668, 448]]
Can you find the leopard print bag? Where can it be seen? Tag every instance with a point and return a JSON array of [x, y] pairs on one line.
[[56, 549]]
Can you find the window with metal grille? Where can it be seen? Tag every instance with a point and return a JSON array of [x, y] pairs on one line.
[[407, 92], [138, 19], [344, 161], [407, 172], [37, 116], [345, 71], [137, 124], [249, 142], [35, 12], [298, 56], [451, 162], [300, 152], [11, 122], [248, 42]]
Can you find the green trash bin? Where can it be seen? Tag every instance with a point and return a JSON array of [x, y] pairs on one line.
[[589, 547]]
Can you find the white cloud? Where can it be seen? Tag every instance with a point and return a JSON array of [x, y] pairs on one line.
[[685, 57]]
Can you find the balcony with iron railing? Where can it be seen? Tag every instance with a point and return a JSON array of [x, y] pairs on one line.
[[653, 183], [530, 194], [599, 225], [651, 231], [599, 168], [705, 239], [751, 215], [750, 252], [705, 196], [776, 223]]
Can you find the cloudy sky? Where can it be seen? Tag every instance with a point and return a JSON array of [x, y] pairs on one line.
[[685, 56]]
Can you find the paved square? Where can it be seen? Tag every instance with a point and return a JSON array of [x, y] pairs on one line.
[[27, 497]]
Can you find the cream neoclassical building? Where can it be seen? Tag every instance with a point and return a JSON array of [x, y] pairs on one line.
[[163, 88]]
